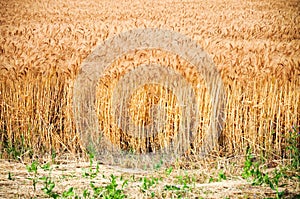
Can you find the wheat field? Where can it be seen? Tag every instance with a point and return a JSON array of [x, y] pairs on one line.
[[255, 45]]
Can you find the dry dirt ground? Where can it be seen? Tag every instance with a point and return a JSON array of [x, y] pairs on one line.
[[205, 180]]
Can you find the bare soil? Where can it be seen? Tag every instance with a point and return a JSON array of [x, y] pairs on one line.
[[203, 181]]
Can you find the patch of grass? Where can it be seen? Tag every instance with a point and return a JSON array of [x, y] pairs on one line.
[[33, 169], [158, 165], [91, 172], [222, 176], [148, 182], [70, 193], [170, 182], [49, 186], [108, 191], [253, 171], [18, 148], [169, 171], [171, 188], [293, 147]]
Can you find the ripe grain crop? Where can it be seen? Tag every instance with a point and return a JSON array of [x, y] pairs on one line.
[[254, 44]]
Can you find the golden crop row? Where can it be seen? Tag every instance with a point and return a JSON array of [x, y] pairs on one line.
[[254, 44]]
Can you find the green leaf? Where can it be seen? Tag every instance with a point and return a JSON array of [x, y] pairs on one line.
[[171, 187]]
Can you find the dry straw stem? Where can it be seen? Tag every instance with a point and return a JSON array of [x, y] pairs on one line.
[[254, 44], [143, 39]]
